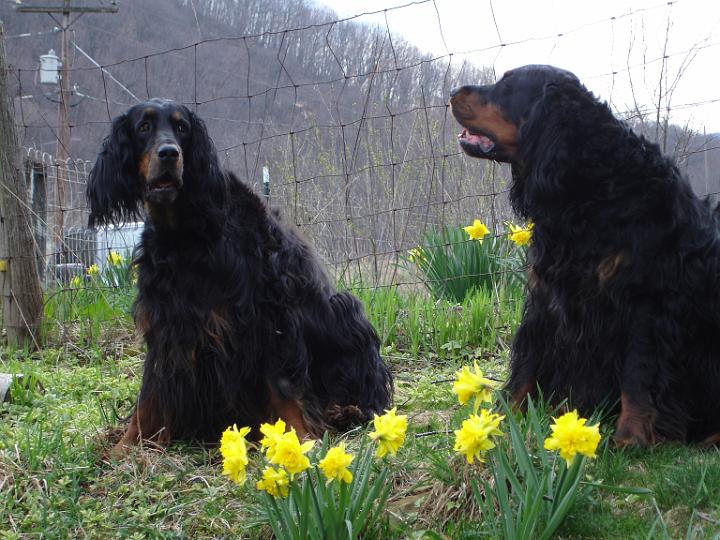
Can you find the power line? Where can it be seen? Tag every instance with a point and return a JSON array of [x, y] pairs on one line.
[[121, 85]]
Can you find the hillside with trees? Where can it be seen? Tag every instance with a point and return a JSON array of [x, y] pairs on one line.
[[351, 122]]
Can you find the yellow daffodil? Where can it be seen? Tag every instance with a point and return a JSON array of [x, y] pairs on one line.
[[417, 255], [571, 436], [470, 383], [520, 235], [334, 464], [475, 436], [234, 452], [389, 432], [93, 270], [272, 433], [114, 258], [290, 454], [75, 282], [477, 231], [274, 481]]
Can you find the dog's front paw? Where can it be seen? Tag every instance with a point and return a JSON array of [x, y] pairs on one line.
[[635, 429], [343, 417]]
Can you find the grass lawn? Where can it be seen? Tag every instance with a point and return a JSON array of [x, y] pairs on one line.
[[55, 483]]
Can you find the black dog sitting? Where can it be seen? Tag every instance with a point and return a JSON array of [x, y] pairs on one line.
[[624, 287], [242, 324]]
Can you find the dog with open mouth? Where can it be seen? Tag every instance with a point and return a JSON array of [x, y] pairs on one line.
[[623, 305]]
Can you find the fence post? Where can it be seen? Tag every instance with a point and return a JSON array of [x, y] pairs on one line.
[[21, 292], [37, 199]]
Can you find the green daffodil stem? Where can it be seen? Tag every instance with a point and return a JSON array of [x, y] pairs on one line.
[[565, 497], [344, 495], [319, 515], [284, 527], [560, 482]]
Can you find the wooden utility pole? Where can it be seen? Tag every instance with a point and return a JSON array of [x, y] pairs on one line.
[[62, 152], [21, 292]]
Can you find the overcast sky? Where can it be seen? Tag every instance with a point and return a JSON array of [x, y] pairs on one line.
[[615, 46]]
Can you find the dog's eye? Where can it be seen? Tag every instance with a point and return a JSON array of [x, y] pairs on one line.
[[144, 127], [182, 128]]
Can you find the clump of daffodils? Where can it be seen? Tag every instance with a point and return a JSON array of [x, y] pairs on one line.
[[330, 493], [287, 456], [520, 471], [520, 236], [570, 436]]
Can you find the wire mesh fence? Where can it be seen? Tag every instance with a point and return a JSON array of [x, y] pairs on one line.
[[347, 123]]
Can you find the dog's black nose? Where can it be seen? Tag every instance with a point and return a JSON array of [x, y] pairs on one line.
[[168, 152]]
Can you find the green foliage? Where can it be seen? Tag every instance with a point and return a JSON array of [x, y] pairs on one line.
[[413, 323], [56, 484], [25, 387], [91, 302], [453, 265], [56, 430]]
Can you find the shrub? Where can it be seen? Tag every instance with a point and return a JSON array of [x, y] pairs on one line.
[[455, 261], [93, 299]]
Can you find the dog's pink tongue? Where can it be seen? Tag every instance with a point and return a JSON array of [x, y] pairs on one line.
[[482, 141]]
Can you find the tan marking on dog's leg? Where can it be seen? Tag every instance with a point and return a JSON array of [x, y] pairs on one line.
[[636, 425]]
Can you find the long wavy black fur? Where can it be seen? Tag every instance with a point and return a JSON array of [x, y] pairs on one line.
[[233, 304], [598, 192]]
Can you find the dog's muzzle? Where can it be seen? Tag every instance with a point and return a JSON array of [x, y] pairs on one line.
[[165, 174]]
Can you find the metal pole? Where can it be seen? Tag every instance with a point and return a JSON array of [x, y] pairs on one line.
[[63, 140], [63, 129]]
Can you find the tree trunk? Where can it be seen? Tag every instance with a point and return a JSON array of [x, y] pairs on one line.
[[21, 292]]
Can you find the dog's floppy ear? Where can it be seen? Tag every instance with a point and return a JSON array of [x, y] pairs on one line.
[[200, 158], [564, 149], [114, 189], [544, 144]]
